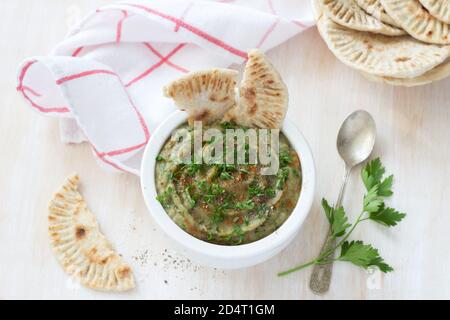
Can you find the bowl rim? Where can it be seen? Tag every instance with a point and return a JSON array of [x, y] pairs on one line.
[[271, 242]]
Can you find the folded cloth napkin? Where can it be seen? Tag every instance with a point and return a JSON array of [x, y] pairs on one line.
[[105, 79]]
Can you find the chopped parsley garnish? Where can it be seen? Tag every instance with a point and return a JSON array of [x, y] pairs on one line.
[[170, 176], [285, 158], [211, 140], [282, 177], [262, 208], [244, 171], [245, 205], [212, 191], [193, 168], [255, 191], [191, 201], [160, 158], [202, 185], [225, 176], [164, 198], [238, 234], [226, 167], [227, 125], [217, 217], [270, 192]]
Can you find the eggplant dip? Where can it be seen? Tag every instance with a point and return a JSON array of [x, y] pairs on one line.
[[227, 204]]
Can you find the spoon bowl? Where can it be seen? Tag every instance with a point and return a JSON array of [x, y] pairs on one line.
[[356, 138]]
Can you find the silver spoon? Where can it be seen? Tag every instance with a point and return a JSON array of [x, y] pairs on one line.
[[355, 142]]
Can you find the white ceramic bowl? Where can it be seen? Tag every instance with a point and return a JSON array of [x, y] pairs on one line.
[[229, 257]]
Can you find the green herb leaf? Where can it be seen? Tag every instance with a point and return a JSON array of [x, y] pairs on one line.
[[217, 217], [211, 140], [340, 222], [170, 176], [191, 202], [372, 173], [337, 219], [160, 158], [216, 189], [363, 255], [164, 198], [193, 168], [270, 192], [372, 201], [245, 205], [202, 185], [383, 266], [255, 191], [387, 216], [374, 208], [238, 233], [285, 158], [244, 170], [328, 210], [227, 125], [262, 209], [282, 177], [225, 176], [385, 187]]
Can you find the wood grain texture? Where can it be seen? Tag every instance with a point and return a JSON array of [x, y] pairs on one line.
[[414, 142]]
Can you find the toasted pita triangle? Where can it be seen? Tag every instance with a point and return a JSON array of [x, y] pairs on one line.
[[417, 21], [347, 13], [440, 9], [263, 96], [204, 95], [83, 251]]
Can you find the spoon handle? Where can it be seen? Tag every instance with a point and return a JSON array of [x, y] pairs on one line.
[[321, 274]]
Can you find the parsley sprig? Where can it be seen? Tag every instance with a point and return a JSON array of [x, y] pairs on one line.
[[374, 208]]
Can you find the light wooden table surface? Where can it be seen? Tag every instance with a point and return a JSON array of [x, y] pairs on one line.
[[414, 143]]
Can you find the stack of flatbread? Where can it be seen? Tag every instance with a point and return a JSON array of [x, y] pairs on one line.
[[400, 42]]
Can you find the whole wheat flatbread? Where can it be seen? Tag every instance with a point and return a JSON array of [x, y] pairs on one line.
[[399, 57], [263, 96], [440, 9], [83, 251], [439, 72], [375, 9], [417, 21], [347, 13], [205, 95]]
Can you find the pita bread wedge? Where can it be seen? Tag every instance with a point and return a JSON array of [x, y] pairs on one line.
[[263, 96], [204, 95], [417, 21], [399, 57], [83, 251], [347, 13], [440, 9], [440, 72], [375, 9]]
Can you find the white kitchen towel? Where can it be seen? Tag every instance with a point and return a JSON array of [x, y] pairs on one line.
[[105, 78]]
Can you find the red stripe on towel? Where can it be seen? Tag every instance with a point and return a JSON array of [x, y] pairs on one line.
[[120, 26], [194, 30], [22, 89], [84, 74]]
